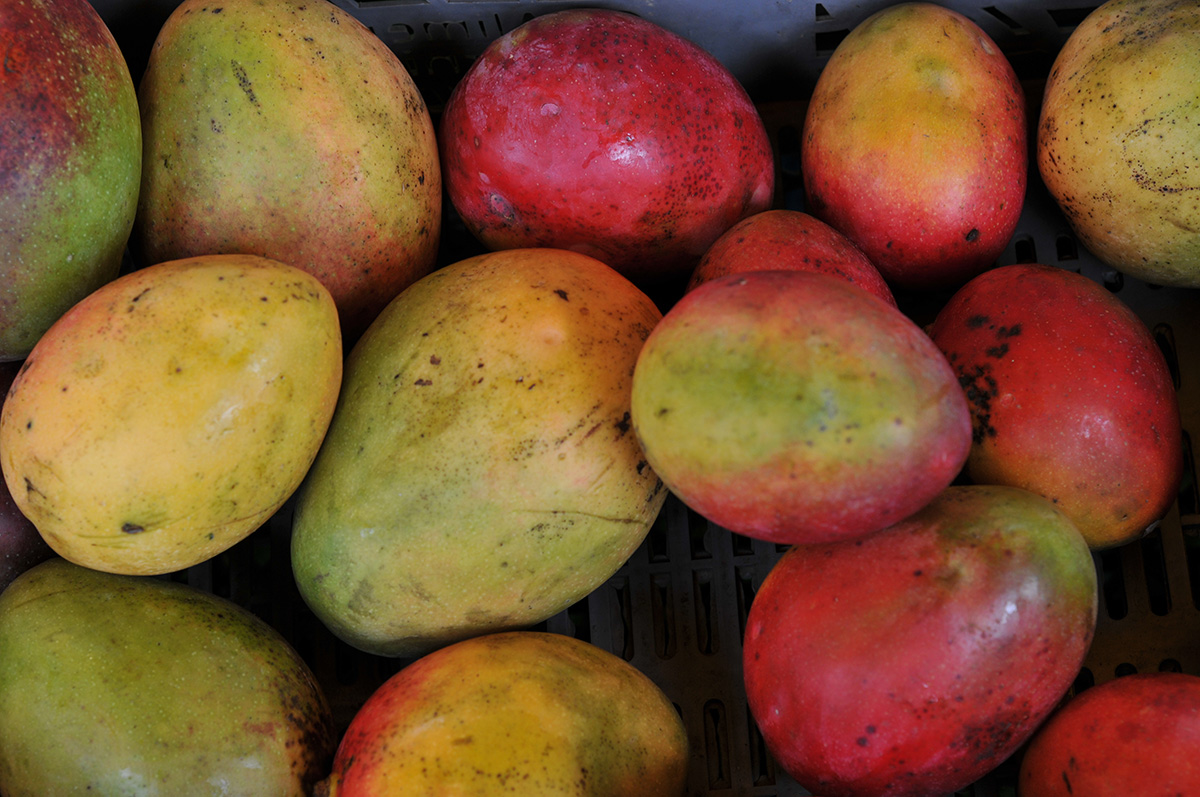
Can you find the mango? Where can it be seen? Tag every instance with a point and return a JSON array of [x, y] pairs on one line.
[[70, 163], [115, 684], [1119, 133], [170, 413], [480, 473], [287, 129], [544, 713]]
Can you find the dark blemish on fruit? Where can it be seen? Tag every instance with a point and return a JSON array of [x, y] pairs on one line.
[[980, 388], [423, 382], [139, 296], [623, 424], [561, 294], [435, 360], [976, 321], [1067, 782], [243, 81], [28, 425], [863, 741], [973, 235], [661, 412], [132, 528], [1009, 332], [918, 573], [996, 351]]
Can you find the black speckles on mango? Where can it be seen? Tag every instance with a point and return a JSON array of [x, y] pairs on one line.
[[243, 81]]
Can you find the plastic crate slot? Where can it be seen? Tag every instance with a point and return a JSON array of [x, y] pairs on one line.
[[1113, 280], [1014, 26], [826, 41], [1112, 584], [791, 180], [707, 636], [820, 13], [1068, 18], [740, 544], [622, 632], [744, 590], [1066, 247], [1154, 565], [1170, 665], [716, 745], [345, 665], [762, 765], [662, 613], [1164, 336], [1125, 668], [1024, 250], [657, 548], [699, 537]]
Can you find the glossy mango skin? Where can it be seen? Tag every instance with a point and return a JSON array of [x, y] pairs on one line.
[[1126, 736], [914, 145], [287, 129], [600, 132], [789, 239], [116, 684], [1118, 135], [1070, 397], [70, 163], [21, 547], [481, 472], [795, 407], [171, 412], [914, 661], [516, 712]]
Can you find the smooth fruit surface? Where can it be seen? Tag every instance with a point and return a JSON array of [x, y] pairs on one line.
[[1138, 734], [600, 132], [1070, 395], [171, 412], [916, 660], [795, 407], [70, 163], [1118, 136], [287, 129], [21, 547], [789, 240], [914, 145], [524, 712], [129, 685], [481, 473]]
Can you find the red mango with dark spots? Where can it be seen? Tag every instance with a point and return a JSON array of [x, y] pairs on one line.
[[914, 661], [1070, 396], [1137, 734], [70, 162], [914, 145], [789, 240], [603, 133]]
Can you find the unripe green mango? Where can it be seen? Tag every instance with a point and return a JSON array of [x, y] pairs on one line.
[[70, 161], [287, 129], [129, 685], [480, 472]]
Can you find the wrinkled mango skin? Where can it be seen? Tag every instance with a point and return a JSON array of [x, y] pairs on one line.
[[480, 473], [70, 162], [1119, 134], [170, 413], [287, 129], [116, 684], [545, 713]]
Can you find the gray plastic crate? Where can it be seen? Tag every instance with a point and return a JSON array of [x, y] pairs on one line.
[[677, 609]]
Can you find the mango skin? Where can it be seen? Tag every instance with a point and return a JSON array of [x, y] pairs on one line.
[[532, 712], [914, 145], [70, 163], [480, 473], [793, 406], [126, 685], [912, 662], [170, 413], [1119, 133], [286, 129], [1071, 397], [21, 547], [1116, 739]]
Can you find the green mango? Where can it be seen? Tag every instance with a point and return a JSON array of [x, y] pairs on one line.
[[113, 684], [70, 163], [480, 472]]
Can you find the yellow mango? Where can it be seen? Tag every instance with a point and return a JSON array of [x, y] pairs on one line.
[[168, 414]]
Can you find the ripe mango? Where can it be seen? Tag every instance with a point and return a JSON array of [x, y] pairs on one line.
[[170, 413], [480, 473], [287, 129], [70, 162], [116, 684]]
